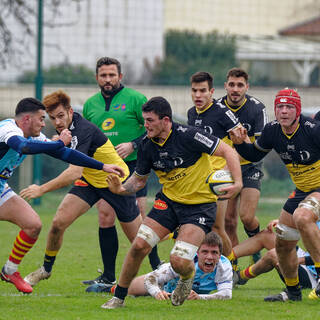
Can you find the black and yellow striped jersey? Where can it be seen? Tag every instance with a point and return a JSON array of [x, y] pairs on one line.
[[182, 163], [89, 139], [299, 151]]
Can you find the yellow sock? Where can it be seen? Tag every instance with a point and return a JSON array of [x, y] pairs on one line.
[[232, 256], [291, 282], [247, 273]]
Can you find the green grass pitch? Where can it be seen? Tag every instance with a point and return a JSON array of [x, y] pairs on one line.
[[64, 297]]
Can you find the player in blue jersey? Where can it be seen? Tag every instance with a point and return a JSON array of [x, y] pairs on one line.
[[180, 156], [213, 273], [18, 137], [297, 141]]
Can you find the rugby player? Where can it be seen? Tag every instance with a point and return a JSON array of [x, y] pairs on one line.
[[216, 120], [179, 155], [213, 273], [252, 115], [89, 185], [18, 137], [297, 141]]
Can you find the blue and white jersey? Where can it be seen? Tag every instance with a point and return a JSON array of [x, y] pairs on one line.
[[204, 283], [9, 158]]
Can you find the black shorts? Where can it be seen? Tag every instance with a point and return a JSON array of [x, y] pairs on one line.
[[125, 206], [132, 166], [171, 214], [252, 175], [295, 198]]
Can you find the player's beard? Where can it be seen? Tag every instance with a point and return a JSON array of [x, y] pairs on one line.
[[109, 92]]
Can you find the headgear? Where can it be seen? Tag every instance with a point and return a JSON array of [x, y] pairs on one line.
[[288, 96]]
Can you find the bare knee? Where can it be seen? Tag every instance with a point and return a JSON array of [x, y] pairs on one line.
[[271, 257], [302, 219], [140, 248], [33, 230], [107, 217], [181, 266]]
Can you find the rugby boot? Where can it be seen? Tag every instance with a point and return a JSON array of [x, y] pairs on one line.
[[34, 277], [17, 281], [113, 303], [181, 292]]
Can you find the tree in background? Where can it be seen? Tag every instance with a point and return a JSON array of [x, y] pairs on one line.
[[15, 41], [62, 73], [187, 52]]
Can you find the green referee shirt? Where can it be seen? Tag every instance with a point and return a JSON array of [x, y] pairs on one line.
[[122, 121]]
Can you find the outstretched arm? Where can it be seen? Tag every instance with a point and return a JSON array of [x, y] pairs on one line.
[[132, 185]]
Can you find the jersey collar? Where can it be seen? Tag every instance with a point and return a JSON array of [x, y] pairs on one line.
[[205, 109], [235, 108]]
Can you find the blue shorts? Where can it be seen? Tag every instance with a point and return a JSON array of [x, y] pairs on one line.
[[171, 214]]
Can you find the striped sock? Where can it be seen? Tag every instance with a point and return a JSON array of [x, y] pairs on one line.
[[293, 285], [232, 256], [21, 247], [247, 273]]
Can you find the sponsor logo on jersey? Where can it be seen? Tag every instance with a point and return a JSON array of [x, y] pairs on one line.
[[308, 123], [232, 116], [118, 107], [108, 124], [203, 139], [180, 128], [160, 205], [74, 142], [80, 183], [292, 194]]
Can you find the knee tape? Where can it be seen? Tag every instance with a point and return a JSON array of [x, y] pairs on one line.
[[312, 204], [184, 250], [286, 233], [148, 235]]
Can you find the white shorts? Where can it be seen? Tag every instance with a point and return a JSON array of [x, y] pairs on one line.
[[6, 194]]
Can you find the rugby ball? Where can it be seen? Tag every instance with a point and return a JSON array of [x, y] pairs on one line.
[[219, 179]]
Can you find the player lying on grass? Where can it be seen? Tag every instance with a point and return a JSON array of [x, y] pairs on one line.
[[213, 273], [266, 239], [18, 137]]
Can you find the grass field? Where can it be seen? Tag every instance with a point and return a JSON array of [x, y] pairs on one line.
[[63, 296]]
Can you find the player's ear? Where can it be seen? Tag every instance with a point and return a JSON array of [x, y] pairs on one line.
[[120, 76]]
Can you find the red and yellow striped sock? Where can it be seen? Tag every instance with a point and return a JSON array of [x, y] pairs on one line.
[[21, 246], [247, 273], [113, 288]]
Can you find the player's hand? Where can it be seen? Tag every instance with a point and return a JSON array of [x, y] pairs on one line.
[[272, 224], [114, 184], [124, 149], [231, 191], [163, 295], [65, 137], [113, 168], [55, 137], [193, 296], [32, 192], [239, 135]]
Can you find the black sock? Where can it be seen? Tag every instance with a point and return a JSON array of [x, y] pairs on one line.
[[48, 262], [253, 232], [121, 292], [294, 290], [108, 239], [154, 258]]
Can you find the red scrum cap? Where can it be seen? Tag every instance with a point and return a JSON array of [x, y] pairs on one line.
[[288, 96]]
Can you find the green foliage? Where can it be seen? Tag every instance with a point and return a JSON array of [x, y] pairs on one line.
[[63, 73], [187, 52]]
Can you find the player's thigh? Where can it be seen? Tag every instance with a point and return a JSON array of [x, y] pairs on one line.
[[231, 212], [69, 210], [220, 215], [137, 287], [107, 215], [19, 212], [131, 228], [249, 198]]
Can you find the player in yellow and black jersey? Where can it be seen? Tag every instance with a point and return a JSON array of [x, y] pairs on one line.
[[180, 156], [252, 115], [89, 185], [217, 120], [297, 141]]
